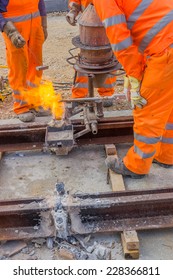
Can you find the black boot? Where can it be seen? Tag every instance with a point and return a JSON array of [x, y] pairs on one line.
[[118, 167], [164, 165]]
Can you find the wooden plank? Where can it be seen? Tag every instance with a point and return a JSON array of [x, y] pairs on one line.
[[115, 180], [1, 155], [110, 150], [12, 247], [129, 254], [130, 241]]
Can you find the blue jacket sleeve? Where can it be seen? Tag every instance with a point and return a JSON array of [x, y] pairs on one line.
[[42, 8], [3, 5]]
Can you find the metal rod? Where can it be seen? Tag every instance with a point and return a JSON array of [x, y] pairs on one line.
[[88, 99]]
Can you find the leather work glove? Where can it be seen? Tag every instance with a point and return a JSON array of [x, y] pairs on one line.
[[71, 16], [136, 99], [13, 34], [44, 26]]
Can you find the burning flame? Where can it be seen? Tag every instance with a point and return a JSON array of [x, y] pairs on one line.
[[44, 96]]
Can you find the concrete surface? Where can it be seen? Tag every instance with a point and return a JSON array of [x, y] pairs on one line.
[[34, 173]]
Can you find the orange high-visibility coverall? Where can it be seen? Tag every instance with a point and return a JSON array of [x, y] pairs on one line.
[[22, 62], [80, 89], [145, 26]]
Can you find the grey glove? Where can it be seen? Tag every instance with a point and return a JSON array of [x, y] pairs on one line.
[[71, 16], [13, 34]]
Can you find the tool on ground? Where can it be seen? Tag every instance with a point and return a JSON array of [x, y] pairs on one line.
[[42, 67]]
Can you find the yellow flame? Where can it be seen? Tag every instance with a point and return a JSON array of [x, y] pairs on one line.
[[45, 96]]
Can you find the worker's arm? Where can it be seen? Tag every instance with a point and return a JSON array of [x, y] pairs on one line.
[[42, 8], [120, 37], [3, 9], [3, 21], [9, 29], [75, 4], [43, 15]]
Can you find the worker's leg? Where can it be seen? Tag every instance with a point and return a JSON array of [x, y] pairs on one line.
[[164, 152], [80, 88], [150, 122], [17, 60], [35, 45], [108, 88]]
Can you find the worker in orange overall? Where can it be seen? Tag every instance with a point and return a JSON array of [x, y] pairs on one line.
[[24, 28], [80, 89], [144, 26]]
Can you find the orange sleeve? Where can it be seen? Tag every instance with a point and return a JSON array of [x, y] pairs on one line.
[[120, 38]]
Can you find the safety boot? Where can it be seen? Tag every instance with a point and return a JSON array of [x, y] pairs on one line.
[[164, 165], [118, 167], [41, 112], [26, 117]]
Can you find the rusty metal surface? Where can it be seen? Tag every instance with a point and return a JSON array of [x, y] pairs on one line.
[[95, 48], [91, 29], [23, 136], [32, 136], [25, 219], [118, 211]]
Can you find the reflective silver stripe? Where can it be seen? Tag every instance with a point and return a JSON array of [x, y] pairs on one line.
[[142, 154], [20, 102], [155, 30], [138, 12], [114, 20], [30, 84], [81, 85], [169, 126], [171, 46], [122, 45], [167, 140], [16, 92], [108, 85], [147, 140], [24, 17]]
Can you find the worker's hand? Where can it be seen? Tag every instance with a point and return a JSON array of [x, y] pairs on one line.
[[71, 16], [13, 34], [17, 40], [136, 99], [126, 89], [44, 26], [45, 33]]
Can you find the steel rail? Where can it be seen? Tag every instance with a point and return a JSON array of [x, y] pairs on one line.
[[32, 136], [118, 211], [25, 219]]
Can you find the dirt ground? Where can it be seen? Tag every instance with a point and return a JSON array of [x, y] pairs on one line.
[[28, 174]]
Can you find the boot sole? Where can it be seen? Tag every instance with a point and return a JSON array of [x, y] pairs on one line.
[[135, 176]]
